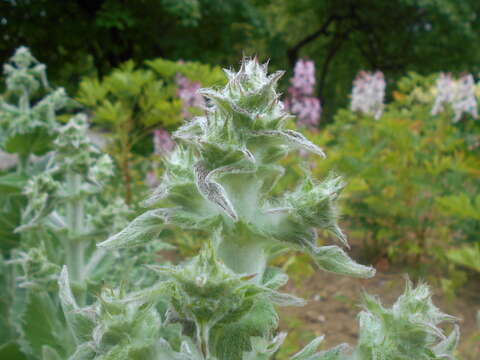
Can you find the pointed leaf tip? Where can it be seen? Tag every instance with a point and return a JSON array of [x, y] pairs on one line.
[[213, 191], [334, 259], [142, 229]]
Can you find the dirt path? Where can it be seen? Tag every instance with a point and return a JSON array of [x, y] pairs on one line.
[[333, 306]]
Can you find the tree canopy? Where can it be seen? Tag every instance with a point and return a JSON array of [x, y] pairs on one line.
[[77, 37]]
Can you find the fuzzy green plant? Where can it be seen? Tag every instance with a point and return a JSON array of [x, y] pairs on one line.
[[219, 305], [27, 124], [67, 213], [220, 177], [52, 212]]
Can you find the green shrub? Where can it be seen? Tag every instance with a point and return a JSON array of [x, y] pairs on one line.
[[398, 168]]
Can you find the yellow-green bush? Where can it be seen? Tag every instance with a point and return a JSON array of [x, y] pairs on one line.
[[132, 101], [399, 167]]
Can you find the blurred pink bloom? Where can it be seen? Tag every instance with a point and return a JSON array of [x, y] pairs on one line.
[[188, 93], [445, 92], [152, 180], [300, 101], [465, 100], [304, 79], [162, 142], [460, 94], [368, 93]]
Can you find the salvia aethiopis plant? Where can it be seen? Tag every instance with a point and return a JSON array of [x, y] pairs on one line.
[[459, 94], [66, 215], [368, 93], [27, 126], [219, 305], [218, 179], [301, 101], [58, 196]]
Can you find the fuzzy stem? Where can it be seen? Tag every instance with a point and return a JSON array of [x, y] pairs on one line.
[[126, 148], [24, 102], [203, 334], [22, 164], [247, 258], [75, 251]]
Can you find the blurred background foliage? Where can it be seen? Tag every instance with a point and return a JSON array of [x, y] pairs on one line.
[[413, 181], [77, 38]]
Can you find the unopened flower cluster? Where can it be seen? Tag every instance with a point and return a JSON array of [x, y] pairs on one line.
[[301, 101], [368, 93], [459, 94]]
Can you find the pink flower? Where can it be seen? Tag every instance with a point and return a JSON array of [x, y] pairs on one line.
[[300, 101], [445, 92], [465, 101], [162, 142], [368, 93], [460, 94], [152, 180], [188, 93], [304, 79]]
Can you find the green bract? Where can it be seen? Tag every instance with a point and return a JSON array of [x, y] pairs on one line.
[[409, 330]]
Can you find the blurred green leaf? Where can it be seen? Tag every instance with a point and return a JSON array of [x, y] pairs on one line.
[[11, 351]]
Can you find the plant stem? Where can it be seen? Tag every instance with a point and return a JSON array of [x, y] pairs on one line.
[[126, 146], [203, 334], [24, 101], [22, 164], [75, 251], [127, 179], [248, 258]]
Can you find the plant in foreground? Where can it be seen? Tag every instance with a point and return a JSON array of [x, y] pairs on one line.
[[67, 207], [27, 127], [64, 218], [134, 100], [220, 304]]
